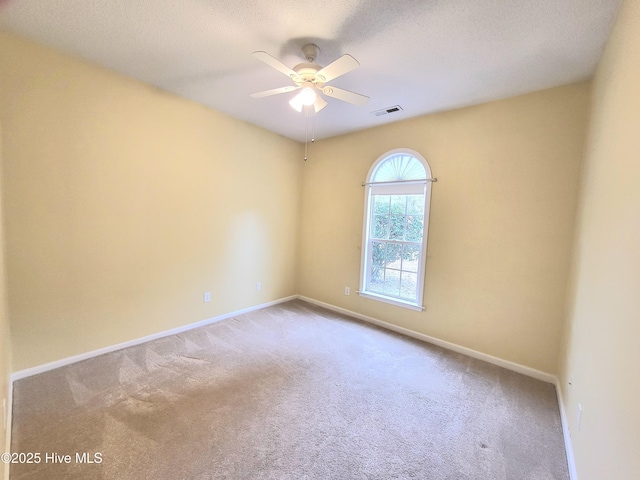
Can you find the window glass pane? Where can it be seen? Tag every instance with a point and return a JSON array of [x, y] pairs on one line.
[[394, 256], [376, 281], [377, 253], [392, 282], [410, 257], [408, 285], [415, 204], [398, 204], [380, 226], [397, 227], [414, 228], [399, 167], [381, 204]]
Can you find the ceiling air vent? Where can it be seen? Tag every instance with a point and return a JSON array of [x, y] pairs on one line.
[[385, 111]]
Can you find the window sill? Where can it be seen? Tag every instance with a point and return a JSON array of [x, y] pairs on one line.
[[392, 301]]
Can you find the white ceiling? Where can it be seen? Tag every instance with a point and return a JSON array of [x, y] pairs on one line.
[[424, 55]]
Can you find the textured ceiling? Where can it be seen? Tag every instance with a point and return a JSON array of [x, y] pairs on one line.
[[425, 56]]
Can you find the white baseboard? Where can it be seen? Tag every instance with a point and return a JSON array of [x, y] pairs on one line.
[[112, 348], [516, 367], [573, 474]]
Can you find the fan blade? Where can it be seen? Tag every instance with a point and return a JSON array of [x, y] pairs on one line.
[[319, 104], [275, 63], [345, 95], [343, 65], [274, 91]]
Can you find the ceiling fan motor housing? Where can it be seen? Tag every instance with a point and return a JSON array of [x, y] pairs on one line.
[[307, 73]]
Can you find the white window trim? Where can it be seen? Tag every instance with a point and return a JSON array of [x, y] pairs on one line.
[[393, 301], [368, 205]]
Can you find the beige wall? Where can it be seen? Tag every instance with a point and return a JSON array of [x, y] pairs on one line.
[[501, 221], [5, 344], [602, 344], [123, 204]]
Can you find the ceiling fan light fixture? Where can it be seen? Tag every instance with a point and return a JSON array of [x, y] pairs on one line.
[[307, 96], [296, 103]]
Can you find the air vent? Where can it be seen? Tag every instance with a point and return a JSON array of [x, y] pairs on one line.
[[385, 111]]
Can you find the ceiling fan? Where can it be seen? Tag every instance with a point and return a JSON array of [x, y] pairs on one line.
[[311, 78]]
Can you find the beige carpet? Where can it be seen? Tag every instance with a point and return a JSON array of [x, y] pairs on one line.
[[289, 392]]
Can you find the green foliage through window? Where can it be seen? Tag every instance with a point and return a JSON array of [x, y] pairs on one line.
[[396, 234]]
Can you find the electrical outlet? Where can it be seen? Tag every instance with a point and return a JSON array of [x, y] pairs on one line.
[[347, 291], [579, 415], [258, 286], [207, 297]]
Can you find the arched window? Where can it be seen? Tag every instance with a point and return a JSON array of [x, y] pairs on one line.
[[396, 220]]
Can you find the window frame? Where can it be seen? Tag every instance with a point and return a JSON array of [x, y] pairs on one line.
[[394, 188]]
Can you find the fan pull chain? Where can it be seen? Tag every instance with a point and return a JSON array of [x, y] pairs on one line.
[[305, 149], [308, 113], [306, 132], [309, 116]]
